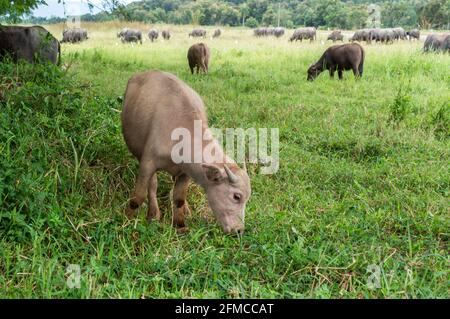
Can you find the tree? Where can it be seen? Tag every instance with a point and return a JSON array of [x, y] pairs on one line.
[[251, 22], [357, 17], [245, 11], [435, 14], [337, 15], [13, 10], [269, 17]]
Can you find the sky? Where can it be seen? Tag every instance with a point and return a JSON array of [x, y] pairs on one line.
[[72, 8]]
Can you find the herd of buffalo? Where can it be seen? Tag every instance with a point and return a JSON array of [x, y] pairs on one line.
[[29, 42], [23, 41], [157, 103]]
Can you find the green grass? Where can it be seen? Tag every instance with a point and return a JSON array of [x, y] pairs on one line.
[[363, 179]]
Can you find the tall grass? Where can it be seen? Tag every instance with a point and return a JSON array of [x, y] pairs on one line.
[[363, 176]]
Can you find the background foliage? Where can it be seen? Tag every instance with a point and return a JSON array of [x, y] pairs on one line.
[[345, 14]]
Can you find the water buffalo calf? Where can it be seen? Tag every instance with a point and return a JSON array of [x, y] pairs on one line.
[[32, 44], [342, 57], [198, 56], [157, 105]]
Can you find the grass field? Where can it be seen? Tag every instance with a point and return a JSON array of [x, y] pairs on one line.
[[363, 180]]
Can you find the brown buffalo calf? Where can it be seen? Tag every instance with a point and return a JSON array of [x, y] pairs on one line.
[[198, 57]]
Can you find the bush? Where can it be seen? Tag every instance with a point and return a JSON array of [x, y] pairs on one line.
[[251, 22], [46, 125]]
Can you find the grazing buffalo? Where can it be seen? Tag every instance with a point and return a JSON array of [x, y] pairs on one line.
[[153, 34], [217, 33], [341, 57], [363, 35], [260, 32], [336, 36], [385, 36], [165, 34], [196, 33], [32, 44], [379, 35], [399, 34], [278, 32], [157, 105], [437, 42], [130, 35], [304, 34], [74, 35], [122, 32], [198, 56], [269, 31], [413, 34]]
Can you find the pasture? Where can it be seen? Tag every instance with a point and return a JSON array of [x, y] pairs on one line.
[[361, 195]]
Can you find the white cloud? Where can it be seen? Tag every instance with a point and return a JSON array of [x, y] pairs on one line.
[[72, 7]]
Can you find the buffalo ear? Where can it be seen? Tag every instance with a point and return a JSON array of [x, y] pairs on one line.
[[213, 172]]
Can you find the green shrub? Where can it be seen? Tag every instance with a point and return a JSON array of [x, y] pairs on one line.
[[47, 121]]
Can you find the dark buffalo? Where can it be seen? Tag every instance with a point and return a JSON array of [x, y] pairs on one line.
[[260, 32], [387, 36], [153, 35], [363, 35], [74, 35], [130, 35], [196, 33], [278, 32], [336, 35], [437, 42], [308, 33], [217, 33], [399, 34], [413, 34], [165, 34], [122, 32], [342, 57], [198, 56], [32, 44], [270, 31]]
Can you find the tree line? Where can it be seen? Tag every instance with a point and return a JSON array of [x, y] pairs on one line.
[[344, 14]]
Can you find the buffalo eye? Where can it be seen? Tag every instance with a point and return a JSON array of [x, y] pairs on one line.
[[237, 197]]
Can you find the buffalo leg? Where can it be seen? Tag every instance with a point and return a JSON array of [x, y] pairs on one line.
[[204, 67], [340, 74], [355, 71], [153, 209], [180, 206], [146, 171], [332, 70]]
